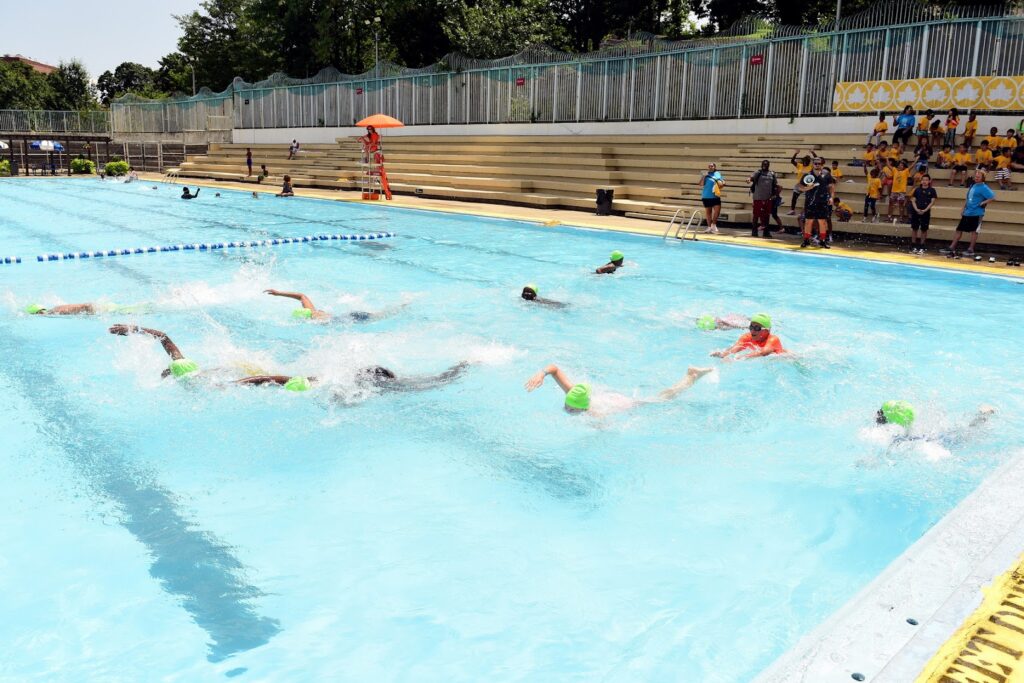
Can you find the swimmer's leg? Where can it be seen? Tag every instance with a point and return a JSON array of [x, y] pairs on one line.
[[692, 375]]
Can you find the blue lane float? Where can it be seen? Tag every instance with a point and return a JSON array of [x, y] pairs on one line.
[[200, 246]]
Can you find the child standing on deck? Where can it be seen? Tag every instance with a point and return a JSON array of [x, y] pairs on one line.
[[952, 123], [970, 130], [1002, 164], [898, 196], [874, 191]]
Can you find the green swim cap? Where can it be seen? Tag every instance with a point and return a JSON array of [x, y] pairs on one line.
[[302, 313], [898, 413], [706, 322], [298, 383], [763, 320], [182, 367], [616, 255], [534, 287], [578, 398], [32, 309]]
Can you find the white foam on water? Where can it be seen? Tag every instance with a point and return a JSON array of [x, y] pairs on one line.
[[247, 284]]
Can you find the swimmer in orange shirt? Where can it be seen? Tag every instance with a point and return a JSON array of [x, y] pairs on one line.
[[759, 341]]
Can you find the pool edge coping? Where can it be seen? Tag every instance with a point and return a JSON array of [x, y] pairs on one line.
[[937, 581]]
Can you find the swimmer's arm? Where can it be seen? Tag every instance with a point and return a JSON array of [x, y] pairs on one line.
[[735, 348], [551, 303], [169, 346], [563, 381], [298, 296], [259, 380], [428, 381], [758, 353], [606, 268], [71, 309]]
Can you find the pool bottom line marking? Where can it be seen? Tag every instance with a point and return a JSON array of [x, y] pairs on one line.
[[202, 246]]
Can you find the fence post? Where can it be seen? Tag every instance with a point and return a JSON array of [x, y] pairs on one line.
[[923, 62], [604, 93], [743, 82], [803, 76], [885, 55], [977, 49], [469, 82], [579, 87], [657, 85], [449, 92], [632, 86], [842, 68], [998, 48], [554, 103], [682, 87], [768, 80], [714, 83]]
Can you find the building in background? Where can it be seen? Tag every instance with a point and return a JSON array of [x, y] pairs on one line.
[[36, 66]]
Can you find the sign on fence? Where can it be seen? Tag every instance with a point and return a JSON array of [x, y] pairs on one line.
[[968, 92], [756, 60], [520, 81]]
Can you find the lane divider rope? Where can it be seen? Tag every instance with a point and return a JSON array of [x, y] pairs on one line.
[[200, 246]]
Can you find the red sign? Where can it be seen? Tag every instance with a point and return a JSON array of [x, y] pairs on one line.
[[520, 81], [359, 91], [756, 60]]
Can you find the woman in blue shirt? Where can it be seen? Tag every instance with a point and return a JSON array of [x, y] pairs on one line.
[[712, 183], [904, 124], [978, 197]]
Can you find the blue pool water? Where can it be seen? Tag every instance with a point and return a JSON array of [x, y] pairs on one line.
[[155, 531]]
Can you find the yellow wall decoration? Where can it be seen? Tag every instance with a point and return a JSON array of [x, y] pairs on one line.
[[968, 92]]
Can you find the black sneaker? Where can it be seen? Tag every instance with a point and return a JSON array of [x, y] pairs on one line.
[[753, 233], [806, 243], [824, 244]]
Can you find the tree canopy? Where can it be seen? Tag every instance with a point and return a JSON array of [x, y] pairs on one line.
[[68, 87]]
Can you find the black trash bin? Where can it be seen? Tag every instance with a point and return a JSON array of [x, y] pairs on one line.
[[14, 168], [604, 201]]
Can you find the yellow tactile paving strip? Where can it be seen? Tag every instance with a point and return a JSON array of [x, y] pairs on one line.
[[614, 223], [989, 646]]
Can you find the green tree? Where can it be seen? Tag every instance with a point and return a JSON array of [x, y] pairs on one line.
[[488, 29], [70, 87], [173, 74], [128, 77], [22, 88], [214, 43]]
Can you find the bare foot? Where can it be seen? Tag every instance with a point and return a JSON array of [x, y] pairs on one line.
[[697, 373]]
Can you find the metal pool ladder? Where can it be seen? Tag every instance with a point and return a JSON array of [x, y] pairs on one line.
[[685, 229]]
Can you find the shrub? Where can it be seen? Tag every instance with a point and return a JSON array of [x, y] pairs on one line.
[[83, 166], [116, 167], [5, 167]]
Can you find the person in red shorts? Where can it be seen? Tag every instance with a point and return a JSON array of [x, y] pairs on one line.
[[759, 341], [763, 184]]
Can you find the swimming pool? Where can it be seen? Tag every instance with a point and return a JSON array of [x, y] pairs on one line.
[[475, 531]]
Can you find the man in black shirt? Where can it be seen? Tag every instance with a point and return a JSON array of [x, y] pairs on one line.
[[819, 189], [921, 213]]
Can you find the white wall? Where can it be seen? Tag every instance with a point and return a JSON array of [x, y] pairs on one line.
[[802, 126]]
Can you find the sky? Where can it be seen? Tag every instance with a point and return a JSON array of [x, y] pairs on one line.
[[100, 34]]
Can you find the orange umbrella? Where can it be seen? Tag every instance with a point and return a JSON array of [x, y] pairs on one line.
[[380, 121]]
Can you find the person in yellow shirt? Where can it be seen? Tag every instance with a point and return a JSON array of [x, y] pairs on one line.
[[874, 191], [895, 152], [945, 158], [898, 196], [970, 130], [994, 139], [837, 172], [961, 160], [936, 132], [924, 123], [984, 155], [801, 168], [1002, 164], [878, 131], [1010, 141], [887, 172], [843, 211], [867, 158]]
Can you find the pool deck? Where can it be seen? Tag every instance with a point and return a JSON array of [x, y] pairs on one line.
[[950, 609], [860, 250]]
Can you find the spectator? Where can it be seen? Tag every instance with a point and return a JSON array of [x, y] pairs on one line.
[[837, 172], [711, 196], [921, 214], [898, 196], [844, 212], [952, 123], [293, 149], [867, 159], [936, 133], [1010, 141], [887, 173], [924, 123], [993, 138], [802, 168], [904, 124], [1017, 159], [979, 196], [818, 188], [879, 130], [777, 202], [871, 196], [924, 153], [961, 160], [264, 173], [286, 188], [1002, 165], [970, 130], [984, 155], [895, 152], [762, 188], [945, 159], [248, 161]]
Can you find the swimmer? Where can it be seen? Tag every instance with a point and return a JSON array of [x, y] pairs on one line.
[[255, 195], [900, 416], [530, 292], [185, 194], [729, 322], [377, 377], [614, 263], [84, 309], [578, 396], [216, 194], [309, 311], [759, 341]]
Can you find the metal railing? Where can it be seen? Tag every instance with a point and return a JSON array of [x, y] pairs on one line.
[[43, 121], [778, 75]]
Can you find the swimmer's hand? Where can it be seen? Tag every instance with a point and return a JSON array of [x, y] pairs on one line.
[[536, 380], [123, 330], [272, 292], [717, 354]]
